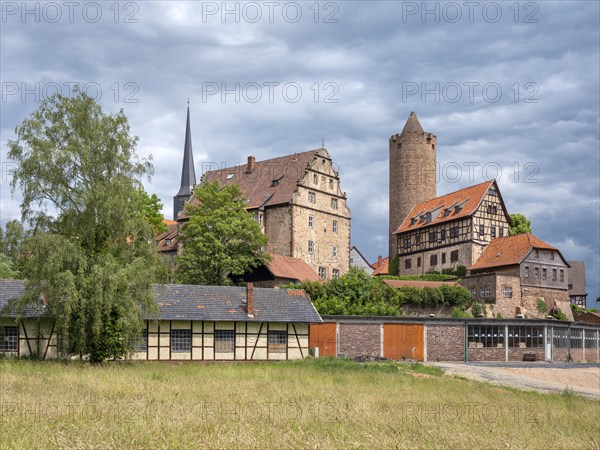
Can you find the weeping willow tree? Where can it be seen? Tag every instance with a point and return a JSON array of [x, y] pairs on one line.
[[91, 253]]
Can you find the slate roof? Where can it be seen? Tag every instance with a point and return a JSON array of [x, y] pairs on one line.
[[188, 302], [468, 200], [292, 268], [226, 303], [271, 182], [11, 291], [510, 250]]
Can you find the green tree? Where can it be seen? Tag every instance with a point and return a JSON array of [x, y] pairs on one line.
[[220, 237], [150, 209], [91, 252], [6, 268], [394, 267], [520, 225]]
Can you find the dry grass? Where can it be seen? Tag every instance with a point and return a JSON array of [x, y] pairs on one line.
[[305, 404]]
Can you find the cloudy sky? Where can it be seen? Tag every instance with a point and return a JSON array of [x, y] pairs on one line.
[[510, 89]]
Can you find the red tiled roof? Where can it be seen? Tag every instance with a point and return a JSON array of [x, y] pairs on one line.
[[168, 222], [508, 251], [397, 284], [469, 198], [383, 268], [271, 182], [162, 239], [292, 268]]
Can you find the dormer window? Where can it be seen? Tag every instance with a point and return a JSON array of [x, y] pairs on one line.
[[230, 176], [413, 221], [275, 181], [168, 242]]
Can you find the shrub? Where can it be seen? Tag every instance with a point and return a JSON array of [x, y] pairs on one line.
[[541, 306], [459, 313], [461, 271]]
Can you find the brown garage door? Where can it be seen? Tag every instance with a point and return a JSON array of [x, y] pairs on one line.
[[403, 341], [323, 336]]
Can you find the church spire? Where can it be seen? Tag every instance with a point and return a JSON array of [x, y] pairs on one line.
[[412, 124], [188, 174]]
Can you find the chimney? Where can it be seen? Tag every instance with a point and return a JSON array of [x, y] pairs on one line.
[[251, 164], [250, 299], [379, 260]]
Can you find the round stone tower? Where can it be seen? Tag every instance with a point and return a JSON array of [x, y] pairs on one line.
[[412, 173]]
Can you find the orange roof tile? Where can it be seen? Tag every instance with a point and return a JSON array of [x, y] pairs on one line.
[[468, 199], [168, 222], [271, 182], [383, 268], [292, 268], [508, 251], [397, 284]]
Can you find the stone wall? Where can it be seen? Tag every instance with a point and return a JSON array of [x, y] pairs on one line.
[[412, 172], [516, 354], [278, 228], [487, 354], [530, 296], [445, 342], [360, 339]]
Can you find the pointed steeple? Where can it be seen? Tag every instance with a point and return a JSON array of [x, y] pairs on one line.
[[188, 173], [412, 125]]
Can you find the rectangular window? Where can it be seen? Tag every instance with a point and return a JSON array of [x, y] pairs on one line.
[[277, 341], [418, 239], [334, 253], [552, 255], [553, 274], [507, 292], [335, 273], [322, 273], [224, 341], [406, 242], [419, 261], [544, 274], [433, 260], [407, 263], [315, 178], [493, 232], [9, 339], [443, 258], [474, 293], [487, 292], [537, 253], [334, 227], [480, 336], [312, 198], [536, 272], [140, 344], [334, 203], [443, 232], [454, 232], [481, 230], [432, 236], [525, 336], [562, 275], [311, 221], [482, 293], [526, 271], [500, 232], [311, 247], [330, 183], [181, 340], [454, 256]]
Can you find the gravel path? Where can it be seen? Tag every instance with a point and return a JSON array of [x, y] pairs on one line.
[[582, 379]]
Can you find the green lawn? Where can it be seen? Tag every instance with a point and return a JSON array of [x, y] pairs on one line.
[[309, 404]]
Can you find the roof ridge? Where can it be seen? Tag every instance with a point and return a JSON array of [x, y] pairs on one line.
[[238, 166]]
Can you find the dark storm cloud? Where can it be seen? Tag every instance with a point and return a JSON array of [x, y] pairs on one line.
[[545, 61]]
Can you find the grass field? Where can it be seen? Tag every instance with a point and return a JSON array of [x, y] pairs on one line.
[[299, 404]]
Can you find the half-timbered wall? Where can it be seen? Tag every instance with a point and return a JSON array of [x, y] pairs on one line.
[[250, 341], [35, 337], [450, 244]]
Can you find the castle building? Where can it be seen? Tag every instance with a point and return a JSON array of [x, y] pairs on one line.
[[451, 230], [298, 201], [412, 173], [520, 276]]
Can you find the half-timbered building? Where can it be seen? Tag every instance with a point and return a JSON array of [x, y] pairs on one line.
[[451, 230], [195, 323]]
